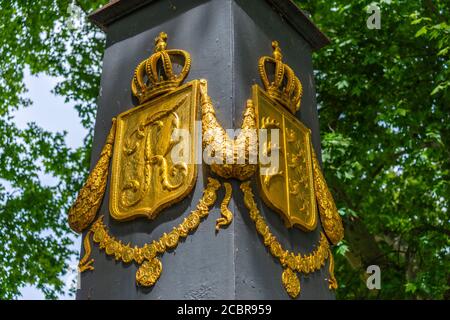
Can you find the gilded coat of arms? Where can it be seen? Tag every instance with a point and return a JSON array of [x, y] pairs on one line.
[[148, 171], [288, 186], [153, 166], [145, 178]]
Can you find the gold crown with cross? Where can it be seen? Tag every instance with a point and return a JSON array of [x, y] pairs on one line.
[[155, 76], [283, 86]]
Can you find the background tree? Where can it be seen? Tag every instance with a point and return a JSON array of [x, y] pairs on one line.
[[384, 105], [34, 236], [385, 123]]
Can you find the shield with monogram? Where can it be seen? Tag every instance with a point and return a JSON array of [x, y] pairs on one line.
[[286, 180], [153, 163]]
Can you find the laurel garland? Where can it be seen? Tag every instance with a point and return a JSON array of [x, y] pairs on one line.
[[150, 266], [290, 261]]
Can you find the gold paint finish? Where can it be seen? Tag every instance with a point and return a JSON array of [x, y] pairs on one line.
[[285, 87], [291, 282], [216, 138], [332, 282], [227, 215], [290, 190], [90, 197], [146, 257], [149, 272], [155, 76], [145, 179], [290, 261], [86, 264], [329, 215]]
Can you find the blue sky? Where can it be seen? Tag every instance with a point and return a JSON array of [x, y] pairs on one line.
[[53, 114]]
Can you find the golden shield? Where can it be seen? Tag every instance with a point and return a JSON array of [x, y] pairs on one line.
[[287, 187], [146, 177]]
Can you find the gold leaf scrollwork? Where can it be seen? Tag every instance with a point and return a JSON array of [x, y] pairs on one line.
[[332, 282], [329, 215], [227, 215], [291, 262], [150, 266], [86, 263], [90, 197], [230, 163]]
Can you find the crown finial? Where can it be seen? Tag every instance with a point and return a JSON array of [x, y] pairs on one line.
[[156, 76], [283, 86], [277, 55], [161, 42]]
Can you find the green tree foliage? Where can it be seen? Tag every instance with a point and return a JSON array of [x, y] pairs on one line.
[[384, 107], [34, 236]]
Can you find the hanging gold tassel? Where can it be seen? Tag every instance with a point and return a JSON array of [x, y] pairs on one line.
[[227, 215], [217, 141], [332, 282], [86, 264], [90, 197]]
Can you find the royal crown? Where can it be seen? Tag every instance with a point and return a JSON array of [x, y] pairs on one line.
[[285, 87], [155, 75]]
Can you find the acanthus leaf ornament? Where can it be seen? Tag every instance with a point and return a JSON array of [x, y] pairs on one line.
[[84, 210], [329, 215], [233, 156]]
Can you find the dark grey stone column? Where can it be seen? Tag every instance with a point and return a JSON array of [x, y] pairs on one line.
[[225, 39]]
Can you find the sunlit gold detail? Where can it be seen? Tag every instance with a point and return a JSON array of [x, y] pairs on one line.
[[90, 197], [145, 177], [332, 282], [149, 272], [288, 188], [329, 215], [291, 282], [285, 87], [227, 215], [154, 76], [86, 263], [150, 266], [230, 166], [290, 261]]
